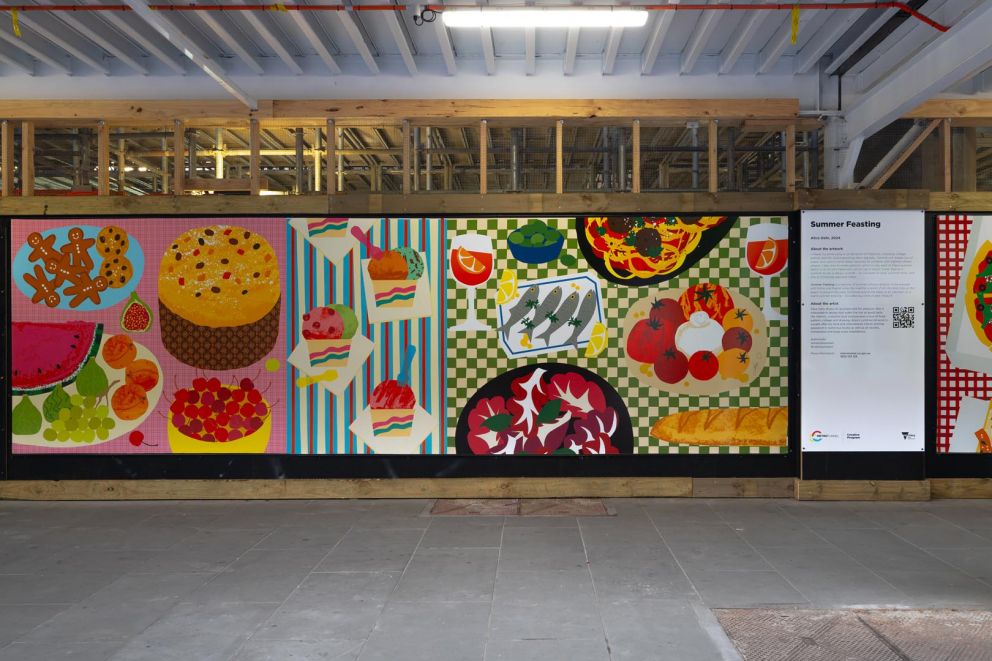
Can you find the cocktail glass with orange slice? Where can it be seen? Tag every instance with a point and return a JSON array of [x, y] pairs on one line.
[[767, 248], [471, 263]]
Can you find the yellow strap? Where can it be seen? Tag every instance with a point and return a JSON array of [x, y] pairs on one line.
[[17, 25], [795, 24]]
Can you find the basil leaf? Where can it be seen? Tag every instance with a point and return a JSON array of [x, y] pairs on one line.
[[498, 422], [564, 451], [549, 411]]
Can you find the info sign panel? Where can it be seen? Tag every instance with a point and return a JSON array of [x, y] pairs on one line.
[[862, 299]]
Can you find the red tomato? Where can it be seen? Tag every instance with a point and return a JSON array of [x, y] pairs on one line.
[[737, 338], [703, 365], [672, 365], [667, 309], [645, 341]]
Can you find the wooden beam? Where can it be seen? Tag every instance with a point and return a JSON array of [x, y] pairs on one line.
[[27, 159], [102, 159], [483, 157], [761, 487], [330, 164], [454, 109], [179, 157], [712, 145], [485, 487], [407, 160], [953, 109], [977, 487], [635, 139], [209, 183], [906, 153], [964, 159], [790, 158], [7, 158], [559, 156], [255, 159], [945, 154], [862, 490]]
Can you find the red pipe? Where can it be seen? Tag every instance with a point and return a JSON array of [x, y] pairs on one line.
[[768, 6]]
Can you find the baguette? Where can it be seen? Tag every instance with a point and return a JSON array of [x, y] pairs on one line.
[[718, 427]]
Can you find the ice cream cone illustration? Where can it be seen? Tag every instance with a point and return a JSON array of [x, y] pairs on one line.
[[328, 332], [394, 273], [393, 403]]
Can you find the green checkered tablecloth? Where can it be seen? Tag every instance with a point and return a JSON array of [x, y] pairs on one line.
[[475, 358]]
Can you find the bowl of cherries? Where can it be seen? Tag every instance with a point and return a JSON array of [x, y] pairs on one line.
[[214, 417]]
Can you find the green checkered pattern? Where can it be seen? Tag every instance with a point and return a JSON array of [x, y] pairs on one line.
[[475, 358]]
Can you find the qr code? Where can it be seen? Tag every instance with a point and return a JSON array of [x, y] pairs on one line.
[[904, 317]]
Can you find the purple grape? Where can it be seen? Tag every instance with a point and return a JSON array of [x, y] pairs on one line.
[[195, 425], [207, 398]]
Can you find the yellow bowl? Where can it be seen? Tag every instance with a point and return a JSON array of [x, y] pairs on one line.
[[253, 443]]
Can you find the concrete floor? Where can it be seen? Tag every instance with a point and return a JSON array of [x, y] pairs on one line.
[[380, 580]]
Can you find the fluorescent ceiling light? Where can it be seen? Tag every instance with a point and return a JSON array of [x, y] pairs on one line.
[[544, 18]]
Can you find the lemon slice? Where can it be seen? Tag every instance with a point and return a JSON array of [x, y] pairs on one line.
[[597, 342], [507, 287], [525, 341]]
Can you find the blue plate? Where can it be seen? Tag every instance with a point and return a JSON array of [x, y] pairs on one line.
[[108, 298]]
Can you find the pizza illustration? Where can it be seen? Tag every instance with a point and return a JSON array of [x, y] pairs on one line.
[[979, 301]]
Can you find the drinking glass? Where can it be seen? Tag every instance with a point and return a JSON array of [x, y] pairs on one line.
[[767, 254], [471, 262]]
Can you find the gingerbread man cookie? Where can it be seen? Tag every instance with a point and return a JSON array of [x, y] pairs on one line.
[[78, 249], [86, 290], [112, 242], [117, 271], [42, 248], [44, 289], [63, 269]]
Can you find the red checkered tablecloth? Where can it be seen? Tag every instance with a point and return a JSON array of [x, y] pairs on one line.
[[952, 383]]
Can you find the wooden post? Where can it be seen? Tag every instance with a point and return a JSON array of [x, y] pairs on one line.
[[483, 157], [219, 154], [27, 159], [179, 158], [560, 156], [945, 153], [315, 154], [635, 140], [254, 157], [406, 157], [964, 168], [102, 159], [121, 164], [713, 155], [331, 144], [790, 158], [7, 157]]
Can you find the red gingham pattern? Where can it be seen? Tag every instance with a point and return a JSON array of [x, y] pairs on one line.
[[952, 383]]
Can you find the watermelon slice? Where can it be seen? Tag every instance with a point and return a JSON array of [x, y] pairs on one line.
[[48, 354]]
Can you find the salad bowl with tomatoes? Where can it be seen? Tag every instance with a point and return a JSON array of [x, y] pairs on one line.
[[705, 339]]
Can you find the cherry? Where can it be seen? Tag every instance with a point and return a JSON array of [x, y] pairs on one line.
[[261, 409], [195, 426], [224, 394], [221, 434], [237, 395], [181, 396], [190, 411], [213, 384], [193, 397], [204, 411], [136, 438], [247, 410], [232, 408], [209, 425], [199, 384], [237, 422], [179, 420], [234, 435], [177, 407], [207, 398], [247, 384], [223, 419], [207, 437], [254, 397]]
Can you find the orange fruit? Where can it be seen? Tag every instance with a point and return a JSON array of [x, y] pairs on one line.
[[143, 373], [734, 364], [469, 262], [769, 251], [119, 351]]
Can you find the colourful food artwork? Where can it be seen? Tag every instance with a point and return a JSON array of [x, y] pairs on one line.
[[536, 242], [758, 426], [642, 250], [77, 386], [542, 410], [703, 340], [211, 417], [78, 268], [219, 294]]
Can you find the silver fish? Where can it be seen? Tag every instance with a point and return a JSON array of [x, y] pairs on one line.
[[527, 302], [560, 317], [582, 318], [547, 306]]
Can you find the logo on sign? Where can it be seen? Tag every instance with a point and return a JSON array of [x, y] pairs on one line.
[[816, 436]]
